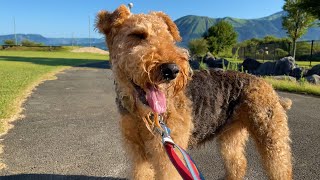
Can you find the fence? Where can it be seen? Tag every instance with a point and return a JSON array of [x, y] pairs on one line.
[[305, 51]]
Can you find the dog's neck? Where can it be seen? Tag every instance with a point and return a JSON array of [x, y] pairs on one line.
[[124, 101]]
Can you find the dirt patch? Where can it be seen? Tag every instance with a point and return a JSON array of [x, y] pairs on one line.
[[91, 50]]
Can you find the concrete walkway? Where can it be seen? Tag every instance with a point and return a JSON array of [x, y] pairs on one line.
[[70, 131]]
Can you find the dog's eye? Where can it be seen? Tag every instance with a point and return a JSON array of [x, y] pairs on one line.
[[139, 35]]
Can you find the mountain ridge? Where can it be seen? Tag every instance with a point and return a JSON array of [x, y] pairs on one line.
[[192, 26], [99, 42]]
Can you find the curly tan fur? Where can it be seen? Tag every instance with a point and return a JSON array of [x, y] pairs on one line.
[[200, 104]]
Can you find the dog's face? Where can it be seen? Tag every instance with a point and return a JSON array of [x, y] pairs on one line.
[[144, 55]]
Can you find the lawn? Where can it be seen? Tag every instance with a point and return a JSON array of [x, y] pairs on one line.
[[21, 71], [305, 64], [296, 87], [301, 87]]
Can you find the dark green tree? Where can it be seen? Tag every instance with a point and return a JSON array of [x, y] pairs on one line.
[[198, 47], [274, 45], [221, 37], [270, 39], [310, 6], [9, 42], [27, 42], [296, 22]]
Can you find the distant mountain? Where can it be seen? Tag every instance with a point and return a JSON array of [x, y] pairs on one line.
[[56, 41], [20, 37], [191, 27], [194, 26]]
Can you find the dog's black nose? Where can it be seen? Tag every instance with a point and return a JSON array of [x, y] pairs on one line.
[[169, 71]]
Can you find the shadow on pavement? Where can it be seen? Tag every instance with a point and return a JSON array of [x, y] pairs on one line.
[[49, 61], [103, 65], [55, 177]]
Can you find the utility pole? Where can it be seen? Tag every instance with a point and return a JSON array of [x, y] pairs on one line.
[[311, 52], [89, 34], [14, 31], [72, 39]]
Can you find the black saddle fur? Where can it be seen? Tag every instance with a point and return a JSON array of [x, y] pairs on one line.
[[214, 94]]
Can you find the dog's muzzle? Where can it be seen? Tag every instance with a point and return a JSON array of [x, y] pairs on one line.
[[169, 71]]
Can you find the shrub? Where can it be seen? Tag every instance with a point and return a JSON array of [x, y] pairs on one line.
[[198, 47], [203, 66], [9, 42], [281, 53], [27, 42]]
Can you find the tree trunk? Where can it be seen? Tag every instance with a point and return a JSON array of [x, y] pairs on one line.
[[294, 48]]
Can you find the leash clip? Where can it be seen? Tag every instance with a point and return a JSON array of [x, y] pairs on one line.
[[163, 130], [166, 138]]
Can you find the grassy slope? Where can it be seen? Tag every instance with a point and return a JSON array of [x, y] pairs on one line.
[[21, 71], [296, 87], [289, 86], [300, 63]]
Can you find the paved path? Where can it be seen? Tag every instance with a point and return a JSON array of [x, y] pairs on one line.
[[70, 131]]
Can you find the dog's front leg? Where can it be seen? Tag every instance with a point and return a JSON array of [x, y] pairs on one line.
[[134, 145], [163, 167]]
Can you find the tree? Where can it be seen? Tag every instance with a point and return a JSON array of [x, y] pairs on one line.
[[270, 39], [255, 47], [27, 42], [296, 22], [310, 6], [198, 47], [9, 42], [221, 37]]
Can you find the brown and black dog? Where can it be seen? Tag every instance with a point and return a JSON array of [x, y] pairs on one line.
[[152, 75]]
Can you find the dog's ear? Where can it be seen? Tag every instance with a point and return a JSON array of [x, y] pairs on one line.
[[172, 27], [105, 20]]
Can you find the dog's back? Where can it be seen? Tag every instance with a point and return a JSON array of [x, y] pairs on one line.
[[215, 94]]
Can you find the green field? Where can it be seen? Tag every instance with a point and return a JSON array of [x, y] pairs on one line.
[[305, 64], [295, 87], [21, 71], [301, 87]]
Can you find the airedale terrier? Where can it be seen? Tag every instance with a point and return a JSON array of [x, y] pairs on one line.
[[152, 75]]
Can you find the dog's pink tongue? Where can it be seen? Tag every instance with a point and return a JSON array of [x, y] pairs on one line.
[[156, 100]]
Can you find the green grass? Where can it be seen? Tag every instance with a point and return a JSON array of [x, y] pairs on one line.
[[285, 85], [234, 60], [296, 87], [41, 48], [300, 63], [307, 63], [21, 71], [203, 66]]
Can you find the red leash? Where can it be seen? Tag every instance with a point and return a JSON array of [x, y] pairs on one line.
[[178, 164], [188, 171]]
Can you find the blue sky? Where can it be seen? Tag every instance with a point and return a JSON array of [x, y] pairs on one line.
[[67, 18]]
